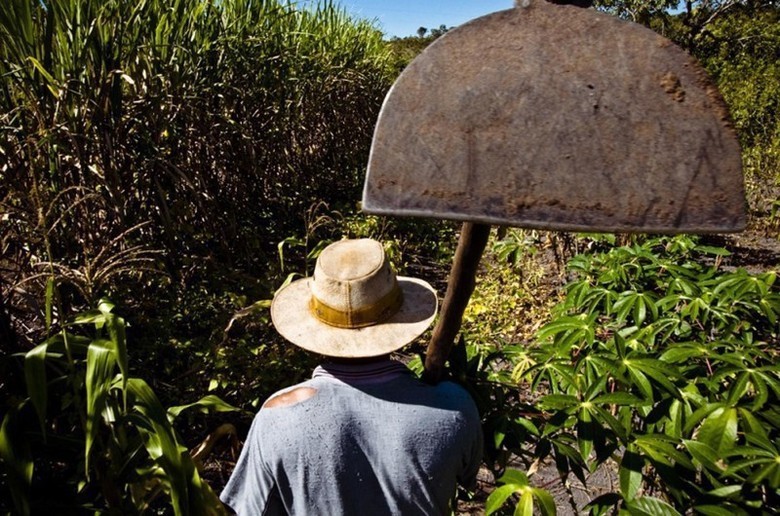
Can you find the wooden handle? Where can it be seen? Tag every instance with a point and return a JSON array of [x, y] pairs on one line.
[[460, 286]]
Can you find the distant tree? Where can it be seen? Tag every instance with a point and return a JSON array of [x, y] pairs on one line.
[[443, 29], [421, 32]]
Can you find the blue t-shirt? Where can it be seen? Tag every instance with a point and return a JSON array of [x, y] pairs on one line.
[[373, 440]]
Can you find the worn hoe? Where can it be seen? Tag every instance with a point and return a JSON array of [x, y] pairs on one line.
[[553, 117]]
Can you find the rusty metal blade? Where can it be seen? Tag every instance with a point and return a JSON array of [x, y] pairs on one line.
[[556, 117]]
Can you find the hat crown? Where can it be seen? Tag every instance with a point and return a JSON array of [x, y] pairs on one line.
[[353, 284]]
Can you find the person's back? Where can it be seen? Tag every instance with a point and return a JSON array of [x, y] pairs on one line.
[[363, 436], [372, 440]]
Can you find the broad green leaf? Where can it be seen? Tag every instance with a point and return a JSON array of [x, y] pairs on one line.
[[514, 477], [36, 381], [101, 359], [719, 430], [770, 472], [649, 506], [558, 401], [586, 430], [663, 449], [116, 332], [206, 404], [661, 372], [703, 453], [619, 398], [640, 381], [528, 425], [611, 421], [546, 501], [699, 414], [51, 83], [498, 438], [525, 507], [725, 491], [630, 473], [736, 468], [713, 510], [754, 430], [738, 388], [498, 497], [95, 317], [673, 426], [681, 353]]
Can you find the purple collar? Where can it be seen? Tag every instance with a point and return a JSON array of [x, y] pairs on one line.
[[362, 374]]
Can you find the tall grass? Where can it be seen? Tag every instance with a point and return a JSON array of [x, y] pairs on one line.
[[152, 134], [140, 140]]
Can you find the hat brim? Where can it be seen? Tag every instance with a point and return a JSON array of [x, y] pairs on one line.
[[294, 321]]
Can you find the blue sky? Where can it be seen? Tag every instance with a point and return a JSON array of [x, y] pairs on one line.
[[403, 17]]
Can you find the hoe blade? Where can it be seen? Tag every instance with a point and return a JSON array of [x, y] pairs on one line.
[[557, 117]]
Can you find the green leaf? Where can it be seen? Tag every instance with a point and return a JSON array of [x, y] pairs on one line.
[[600, 505], [606, 418], [630, 473], [640, 381], [35, 379], [769, 472], [528, 425], [719, 430], [586, 431], [713, 510], [725, 491], [161, 443], [620, 398], [101, 359], [525, 507], [546, 501], [116, 332], [514, 477], [681, 353], [498, 497], [51, 83], [699, 414], [705, 454], [649, 506], [752, 426], [558, 401], [207, 404], [659, 371], [663, 450]]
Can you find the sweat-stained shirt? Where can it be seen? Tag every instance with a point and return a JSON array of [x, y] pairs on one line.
[[373, 440]]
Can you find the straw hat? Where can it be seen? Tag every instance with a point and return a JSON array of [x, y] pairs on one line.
[[354, 305]]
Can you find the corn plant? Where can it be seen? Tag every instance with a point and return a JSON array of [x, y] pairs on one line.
[[88, 436]]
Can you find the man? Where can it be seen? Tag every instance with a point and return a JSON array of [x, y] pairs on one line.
[[363, 436]]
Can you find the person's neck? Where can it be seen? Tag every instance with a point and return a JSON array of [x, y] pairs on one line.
[[357, 360]]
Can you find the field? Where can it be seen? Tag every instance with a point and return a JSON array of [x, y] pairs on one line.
[[166, 165]]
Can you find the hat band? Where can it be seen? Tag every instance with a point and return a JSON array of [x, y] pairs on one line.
[[383, 309]]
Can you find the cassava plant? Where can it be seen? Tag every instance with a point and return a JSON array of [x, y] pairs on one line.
[[658, 361]]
